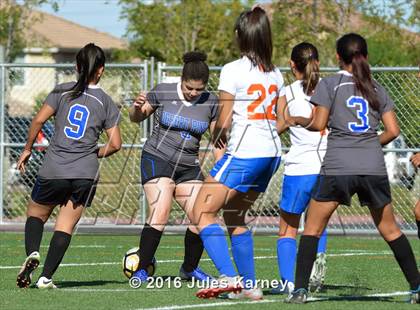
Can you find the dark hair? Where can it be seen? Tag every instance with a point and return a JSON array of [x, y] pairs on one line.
[[352, 50], [254, 38], [195, 67], [305, 57], [88, 60]]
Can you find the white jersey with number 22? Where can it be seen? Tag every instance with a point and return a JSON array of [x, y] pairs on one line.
[[253, 132]]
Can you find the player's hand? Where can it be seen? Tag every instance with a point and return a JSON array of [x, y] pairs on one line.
[[415, 159], [23, 159], [140, 100]]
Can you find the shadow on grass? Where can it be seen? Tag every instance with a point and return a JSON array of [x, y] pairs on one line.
[[65, 284], [352, 298]]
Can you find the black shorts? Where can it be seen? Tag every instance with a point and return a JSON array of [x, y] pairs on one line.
[[373, 190], [59, 191], [153, 167]]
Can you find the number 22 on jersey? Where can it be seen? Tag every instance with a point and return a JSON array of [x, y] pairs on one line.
[[260, 89], [78, 117]]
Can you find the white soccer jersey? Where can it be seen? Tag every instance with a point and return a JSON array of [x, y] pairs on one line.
[[253, 132], [308, 147]]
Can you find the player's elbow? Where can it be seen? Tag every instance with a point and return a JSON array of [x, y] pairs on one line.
[[394, 132]]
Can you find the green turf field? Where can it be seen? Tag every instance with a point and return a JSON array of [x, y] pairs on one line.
[[362, 274]]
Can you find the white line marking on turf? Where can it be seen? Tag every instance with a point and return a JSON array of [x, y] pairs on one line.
[[209, 305], [90, 290], [204, 260], [220, 304]]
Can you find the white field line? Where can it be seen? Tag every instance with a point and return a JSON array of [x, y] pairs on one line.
[[93, 290], [214, 304], [204, 259], [221, 304]]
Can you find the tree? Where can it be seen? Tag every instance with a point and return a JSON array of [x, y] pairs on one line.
[[168, 29], [14, 18]]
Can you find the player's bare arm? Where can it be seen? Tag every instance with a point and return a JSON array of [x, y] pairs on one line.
[[42, 116], [283, 115], [219, 150], [114, 142], [391, 128], [317, 122], [415, 159], [141, 109], [219, 136]]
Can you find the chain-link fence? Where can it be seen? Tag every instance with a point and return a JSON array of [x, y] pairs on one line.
[[404, 87], [119, 200], [23, 90]]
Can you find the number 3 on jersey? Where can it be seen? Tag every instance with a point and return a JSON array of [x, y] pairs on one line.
[[269, 114], [362, 107], [78, 117]]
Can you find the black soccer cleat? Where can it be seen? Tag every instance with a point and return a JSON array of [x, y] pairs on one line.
[[298, 296], [24, 277], [415, 296]]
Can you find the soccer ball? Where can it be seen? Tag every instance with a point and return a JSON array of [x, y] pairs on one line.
[[131, 262]]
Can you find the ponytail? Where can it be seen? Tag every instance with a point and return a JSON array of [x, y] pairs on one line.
[[88, 60], [305, 57], [310, 76], [352, 50], [363, 79]]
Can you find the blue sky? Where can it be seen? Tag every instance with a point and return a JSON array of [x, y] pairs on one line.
[[99, 14], [103, 15]]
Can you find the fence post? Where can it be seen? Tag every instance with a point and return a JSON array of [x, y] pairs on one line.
[[2, 121], [143, 140]]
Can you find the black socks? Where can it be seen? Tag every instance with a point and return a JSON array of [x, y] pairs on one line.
[[34, 228], [405, 258], [58, 246], [149, 241], [306, 256], [193, 250]]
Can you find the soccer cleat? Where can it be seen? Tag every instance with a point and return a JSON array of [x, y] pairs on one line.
[[318, 273], [24, 277], [415, 296], [224, 285], [197, 274], [45, 283], [141, 275], [297, 297], [252, 293], [283, 289]]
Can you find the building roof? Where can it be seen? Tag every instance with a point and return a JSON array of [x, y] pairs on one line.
[[50, 31]]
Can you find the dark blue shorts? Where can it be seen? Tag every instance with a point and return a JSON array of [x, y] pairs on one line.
[[60, 191]]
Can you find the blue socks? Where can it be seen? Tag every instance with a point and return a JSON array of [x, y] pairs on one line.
[[322, 244], [286, 255], [286, 258], [214, 241], [243, 255]]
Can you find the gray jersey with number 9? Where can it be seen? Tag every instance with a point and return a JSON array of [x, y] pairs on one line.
[[72, 153]]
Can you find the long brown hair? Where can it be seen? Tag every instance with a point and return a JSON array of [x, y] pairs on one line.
[[352, 50], [254, 38], [305, 57]]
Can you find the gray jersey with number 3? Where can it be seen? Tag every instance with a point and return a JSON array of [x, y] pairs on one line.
[[353, 143], [72, 153]]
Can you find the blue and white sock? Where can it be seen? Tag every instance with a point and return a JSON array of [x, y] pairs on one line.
[[214, 241], [243, 255]]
